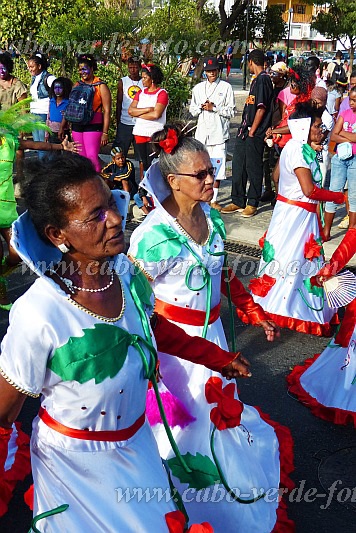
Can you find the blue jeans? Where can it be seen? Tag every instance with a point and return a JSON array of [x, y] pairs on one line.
[[342, 171], [39, 135], [137, 199]]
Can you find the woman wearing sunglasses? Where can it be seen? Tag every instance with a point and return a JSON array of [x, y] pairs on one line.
[[180, 248]]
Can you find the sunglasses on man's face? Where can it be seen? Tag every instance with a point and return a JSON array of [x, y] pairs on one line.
[[202, 175]]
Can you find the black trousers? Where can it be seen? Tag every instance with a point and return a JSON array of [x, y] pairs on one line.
[[247, 165], [124, 137], [145, 151]]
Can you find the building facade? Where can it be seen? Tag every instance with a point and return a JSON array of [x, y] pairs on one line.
[[299, 15]]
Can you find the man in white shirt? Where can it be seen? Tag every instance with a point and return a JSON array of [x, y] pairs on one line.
[[213, 103], [127, 87]]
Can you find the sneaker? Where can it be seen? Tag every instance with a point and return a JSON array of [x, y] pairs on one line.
[[216, 205], [249, 211], [344, 224], [137, 213], [232, 208], [268, 196]]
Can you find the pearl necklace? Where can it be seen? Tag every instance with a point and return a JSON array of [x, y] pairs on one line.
[[72, 288], [101, 317]]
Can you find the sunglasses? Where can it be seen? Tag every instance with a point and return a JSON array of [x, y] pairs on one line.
[[202, 175]]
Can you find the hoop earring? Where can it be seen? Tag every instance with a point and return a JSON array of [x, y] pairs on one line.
[[63, 248]]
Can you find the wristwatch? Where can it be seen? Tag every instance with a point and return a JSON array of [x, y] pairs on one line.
[[214, 108]]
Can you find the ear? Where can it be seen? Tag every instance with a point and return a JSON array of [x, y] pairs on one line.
[[56, 236], [173, 182]]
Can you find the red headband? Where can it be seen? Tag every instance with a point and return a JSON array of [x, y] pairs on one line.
[[170, 142], [147, 67], [294, 73]]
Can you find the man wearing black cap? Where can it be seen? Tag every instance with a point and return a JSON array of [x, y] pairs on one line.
[[214, 104]]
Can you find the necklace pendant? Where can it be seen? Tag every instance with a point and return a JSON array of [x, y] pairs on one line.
[[69, 284]]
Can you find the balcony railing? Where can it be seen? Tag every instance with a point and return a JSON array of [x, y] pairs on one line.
[[296, 18]]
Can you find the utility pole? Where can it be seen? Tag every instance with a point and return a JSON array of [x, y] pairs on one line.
[[246, 47]]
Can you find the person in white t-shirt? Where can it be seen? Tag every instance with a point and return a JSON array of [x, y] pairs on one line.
[[40, 84], [127, 88], [319, 101], [149, 108]]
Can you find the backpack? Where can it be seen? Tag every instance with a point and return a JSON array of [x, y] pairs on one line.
[[339, 74], [80, 106]]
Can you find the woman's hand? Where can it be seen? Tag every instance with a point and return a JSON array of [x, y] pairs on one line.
[[316, 147], [238, 368], [71, 146], [271, 329], [268, 133], [104, 139]]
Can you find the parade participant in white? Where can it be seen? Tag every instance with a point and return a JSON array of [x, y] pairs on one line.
[[213, 103], [326, 382], [180, 248], [87, 347], [292, 247]]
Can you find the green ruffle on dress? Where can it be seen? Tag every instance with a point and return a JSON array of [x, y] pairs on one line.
[[8, 212]]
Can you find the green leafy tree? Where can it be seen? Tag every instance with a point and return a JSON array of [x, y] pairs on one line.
[[264, 27], [21, 19], [102, 32], [177, 33], [272, 27], [338, 22]]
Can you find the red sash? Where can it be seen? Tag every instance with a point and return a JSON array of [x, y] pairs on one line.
[[304, 205], [184, 315], [109, 436]]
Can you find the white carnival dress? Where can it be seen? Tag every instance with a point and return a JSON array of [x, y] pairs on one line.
[[292, 252], [91, 376], [186, 281], [326, 383]]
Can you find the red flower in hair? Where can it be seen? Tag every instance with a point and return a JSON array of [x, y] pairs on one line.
[[294, 73], [176, 523], [170, 141], [312, 249], [147, 66], [227, 413], [261, 286]]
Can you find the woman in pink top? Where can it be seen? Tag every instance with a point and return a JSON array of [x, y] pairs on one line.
[[286, 97], [343, 168]]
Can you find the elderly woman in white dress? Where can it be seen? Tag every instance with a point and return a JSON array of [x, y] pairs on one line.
[[180, 248]]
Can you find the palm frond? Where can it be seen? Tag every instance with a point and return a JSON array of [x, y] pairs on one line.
[[17, 119]]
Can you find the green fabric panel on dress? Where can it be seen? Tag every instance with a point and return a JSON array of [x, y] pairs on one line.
[[98, 354]]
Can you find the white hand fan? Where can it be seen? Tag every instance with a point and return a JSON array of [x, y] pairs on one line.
[[340, 290], [299, 129]]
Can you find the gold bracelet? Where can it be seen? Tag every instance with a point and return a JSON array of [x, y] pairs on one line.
[[105, 133]]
